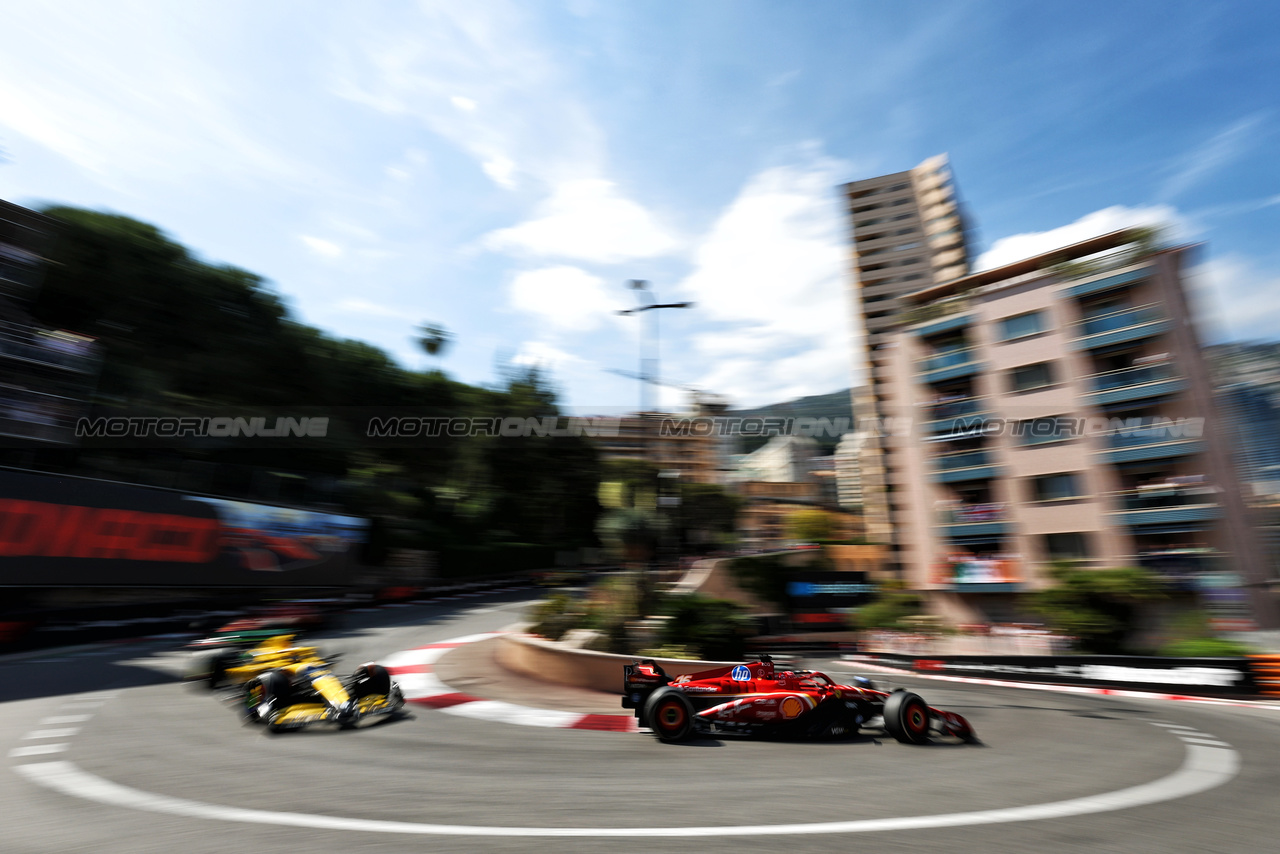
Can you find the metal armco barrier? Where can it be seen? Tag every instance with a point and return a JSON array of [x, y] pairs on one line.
[[1207, 677]]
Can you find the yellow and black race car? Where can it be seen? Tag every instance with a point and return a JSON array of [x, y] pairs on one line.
[[286, 686]]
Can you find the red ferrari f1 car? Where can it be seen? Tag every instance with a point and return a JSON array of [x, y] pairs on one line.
[[758, 699]]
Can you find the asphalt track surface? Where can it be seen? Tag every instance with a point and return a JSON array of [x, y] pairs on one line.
[[107, 752]]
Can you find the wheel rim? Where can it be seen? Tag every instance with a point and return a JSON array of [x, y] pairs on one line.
[[916, 719], [671, 715], [253, 697]]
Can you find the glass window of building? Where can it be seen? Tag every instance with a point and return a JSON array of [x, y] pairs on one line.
[[1073, 546], [1040, 431], [1022, 325], [1030, 377], [1052, 487]]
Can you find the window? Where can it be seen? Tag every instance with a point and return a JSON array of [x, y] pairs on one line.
[[1066, 546], [1052, 487], [896, 187], [1041, 431], [1021, 325], [900, 201], [915, 245], [1028, 377]]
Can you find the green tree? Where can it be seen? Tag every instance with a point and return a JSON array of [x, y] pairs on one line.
[[708, 514], [892, 606], [1096, 606], [810, 525]]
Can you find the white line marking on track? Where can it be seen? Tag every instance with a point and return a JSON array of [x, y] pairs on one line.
[[65, 719], [496, 710], [61, 732], [1203, 768], [37, 749]]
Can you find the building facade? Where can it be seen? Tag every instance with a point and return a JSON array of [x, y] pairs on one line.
[[908, 233], [1059, 408]]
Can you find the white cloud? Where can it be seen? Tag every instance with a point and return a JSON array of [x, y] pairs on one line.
[[773, 272], [501, 170], [530, 115], [1006, 250], [123, 96], [545, 356], [567, 298], [1235, 300], [355, 305], [587, 220], [322, 247]]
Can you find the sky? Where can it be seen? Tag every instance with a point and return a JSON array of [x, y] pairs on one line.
[[506, 168]]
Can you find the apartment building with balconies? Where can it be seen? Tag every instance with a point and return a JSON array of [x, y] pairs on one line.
[[908, 233], [1059, 408]]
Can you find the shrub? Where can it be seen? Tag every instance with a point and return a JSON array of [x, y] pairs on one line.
[[1204, 648], [554, 616], [891, 607], [715, 629]]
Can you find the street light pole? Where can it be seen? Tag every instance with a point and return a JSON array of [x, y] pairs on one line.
[[649, 374]]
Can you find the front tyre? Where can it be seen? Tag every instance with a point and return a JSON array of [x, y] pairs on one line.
[[264, 695], [906, 718], [371, 680], [669, 714]]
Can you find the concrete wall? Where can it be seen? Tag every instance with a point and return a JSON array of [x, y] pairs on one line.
[[542, 659]]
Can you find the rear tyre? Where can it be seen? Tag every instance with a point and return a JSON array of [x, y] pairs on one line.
[[669, 714], [906, 718], [218, 665]]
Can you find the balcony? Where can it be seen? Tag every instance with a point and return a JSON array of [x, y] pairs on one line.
[[1106, 283], [956, 415], [947, 313], [966, 465], [975, 574], [949, 365], [1137, 383], [968, 521], [1131, 324], [1156, 443], [1168, 507]]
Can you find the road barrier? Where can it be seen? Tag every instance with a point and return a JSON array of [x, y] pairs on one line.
[[1207, 677]]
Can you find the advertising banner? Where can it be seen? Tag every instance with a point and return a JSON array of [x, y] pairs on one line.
[[820, 599], [59, 531]]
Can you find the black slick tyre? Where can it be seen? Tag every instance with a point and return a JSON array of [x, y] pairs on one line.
[[669, 714], [268, 691], [371, 680], [906, 718]]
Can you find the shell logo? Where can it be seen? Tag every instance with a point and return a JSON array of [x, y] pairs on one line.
[[791, 707]]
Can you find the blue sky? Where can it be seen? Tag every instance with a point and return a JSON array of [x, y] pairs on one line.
[[505, 168]]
